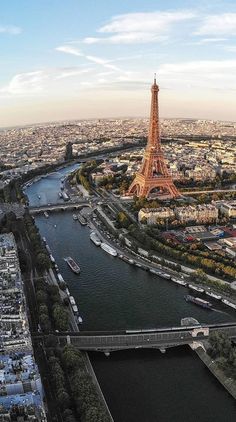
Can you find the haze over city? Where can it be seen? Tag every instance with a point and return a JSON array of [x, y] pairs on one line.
[[76, 59]]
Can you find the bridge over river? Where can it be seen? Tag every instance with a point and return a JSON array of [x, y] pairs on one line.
[[59, 207], [161, 338]]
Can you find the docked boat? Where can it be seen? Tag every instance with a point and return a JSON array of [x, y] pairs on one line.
[[65, 196], [48, 249], [198, 301], [151, 270], [75, 217], [52, 259], [165, 275], [60, 194], [72, 300], [227, 302], [95, 239], [60, 278], [75, 309], [72, 264], [80, 320], [108, 249], [197, 289], [178, 281], [82, 220], [46, 214], [126, 259], [214, 295]]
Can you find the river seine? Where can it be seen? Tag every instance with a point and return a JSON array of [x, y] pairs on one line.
[[139, 385]]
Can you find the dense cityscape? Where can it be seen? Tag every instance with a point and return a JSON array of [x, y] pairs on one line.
[[118, 234]]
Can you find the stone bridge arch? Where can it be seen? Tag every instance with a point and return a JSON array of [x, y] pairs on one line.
[[201, 331]]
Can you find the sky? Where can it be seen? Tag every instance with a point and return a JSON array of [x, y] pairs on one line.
[[79, 59]]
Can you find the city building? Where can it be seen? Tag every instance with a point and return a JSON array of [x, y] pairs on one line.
[[152, 215], [197, 213], [21, 393], [228, 208]]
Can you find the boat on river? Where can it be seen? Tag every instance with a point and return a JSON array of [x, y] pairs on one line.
[[82, 219], [46, 214], [198, 301], [165, 275], [126, 259], [107, 248], [75, 217], [196, 288], [227, 302], [72, 264], [178, 281], [95, 239], [214, 295]]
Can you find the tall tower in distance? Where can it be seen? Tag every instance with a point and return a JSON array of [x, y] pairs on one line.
[[153, 180]]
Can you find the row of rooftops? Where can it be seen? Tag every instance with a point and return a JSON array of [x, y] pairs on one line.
[[21, 393]]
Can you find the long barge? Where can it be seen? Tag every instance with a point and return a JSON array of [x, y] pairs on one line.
[[198, 301]]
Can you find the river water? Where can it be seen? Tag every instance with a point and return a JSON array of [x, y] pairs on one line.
[[139, 385]]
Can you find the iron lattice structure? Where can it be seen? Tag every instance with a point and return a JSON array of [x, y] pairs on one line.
[[153, 179]]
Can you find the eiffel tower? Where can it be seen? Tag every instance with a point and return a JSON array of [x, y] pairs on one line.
[[153, 180]]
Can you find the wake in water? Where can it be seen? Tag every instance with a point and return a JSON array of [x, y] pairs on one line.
[[220, 312]]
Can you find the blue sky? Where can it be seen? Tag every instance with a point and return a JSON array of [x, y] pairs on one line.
[[96, 58]]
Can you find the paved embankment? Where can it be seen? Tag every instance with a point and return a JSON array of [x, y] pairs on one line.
[[228, 383], [99, 390]]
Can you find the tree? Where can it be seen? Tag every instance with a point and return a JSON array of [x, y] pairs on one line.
[[60, 317], [72, 358]]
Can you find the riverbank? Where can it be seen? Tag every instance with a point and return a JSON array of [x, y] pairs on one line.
[[133, 257], [228, 383], [74, 326]]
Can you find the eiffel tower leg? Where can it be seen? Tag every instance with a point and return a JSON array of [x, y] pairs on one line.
[[134, 188]]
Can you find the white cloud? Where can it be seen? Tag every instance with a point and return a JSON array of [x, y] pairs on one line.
[[207, 74], [94, 59], [127, 38], [39, 81], [69, 50], [231, 48], [103, 62], [145, 22], [140, 27], [68, 72], [223, 24], [30, 82], [10, 29], [209, 41]]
